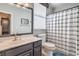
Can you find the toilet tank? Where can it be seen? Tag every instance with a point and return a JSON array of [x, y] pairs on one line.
[[43, 37]]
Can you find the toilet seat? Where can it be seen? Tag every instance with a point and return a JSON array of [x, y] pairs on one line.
[[49, 46]]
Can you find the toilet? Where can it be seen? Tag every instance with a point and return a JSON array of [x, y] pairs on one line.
[[47, 47]]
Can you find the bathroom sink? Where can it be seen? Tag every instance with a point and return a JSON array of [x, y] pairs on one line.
[[18, 41], [11, 43]]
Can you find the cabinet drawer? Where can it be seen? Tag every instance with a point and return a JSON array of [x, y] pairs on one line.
[[18, 50], [27, 53], [37, 43]]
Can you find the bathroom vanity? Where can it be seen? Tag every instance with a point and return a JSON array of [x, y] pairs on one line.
[[19, 22], [26, 47]]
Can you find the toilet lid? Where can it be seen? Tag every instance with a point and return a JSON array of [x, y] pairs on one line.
[[48, 44]]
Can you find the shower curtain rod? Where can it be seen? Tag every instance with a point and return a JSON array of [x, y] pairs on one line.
[[66, 9]]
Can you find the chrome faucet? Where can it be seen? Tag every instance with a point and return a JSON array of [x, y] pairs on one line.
[[15, 37]]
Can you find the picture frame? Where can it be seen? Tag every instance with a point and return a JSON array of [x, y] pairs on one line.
[[24, 21]]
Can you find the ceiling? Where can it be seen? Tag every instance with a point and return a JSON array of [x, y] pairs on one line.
[[55, 7], [62, 4], [58, 4]]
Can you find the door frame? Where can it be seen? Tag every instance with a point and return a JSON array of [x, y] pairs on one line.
[[11, 17]]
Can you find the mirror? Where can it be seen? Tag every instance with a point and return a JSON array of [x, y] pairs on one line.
[[15, 19]]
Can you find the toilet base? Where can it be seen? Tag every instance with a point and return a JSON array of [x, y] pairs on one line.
[[46, 52], [48, 48]]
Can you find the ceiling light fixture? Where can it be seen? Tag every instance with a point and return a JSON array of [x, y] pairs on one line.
[[26, 5], [23, 5], [18, 6]]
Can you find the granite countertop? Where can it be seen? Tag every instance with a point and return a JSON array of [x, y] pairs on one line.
[[10, 43]]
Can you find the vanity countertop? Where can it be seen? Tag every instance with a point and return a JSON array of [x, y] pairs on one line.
[[10, 43]]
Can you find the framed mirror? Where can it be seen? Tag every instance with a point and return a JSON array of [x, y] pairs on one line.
[[15, 19]]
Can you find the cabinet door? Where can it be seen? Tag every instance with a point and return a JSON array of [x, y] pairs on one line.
[[0, 54], [19, 50], [37, 51], [27, 53], [38, 43]]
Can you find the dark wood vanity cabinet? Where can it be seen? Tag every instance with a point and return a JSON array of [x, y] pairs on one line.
[[0, 54], [27, 53], [19, 50], [38, 48], [37, 51], [31, 49]]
